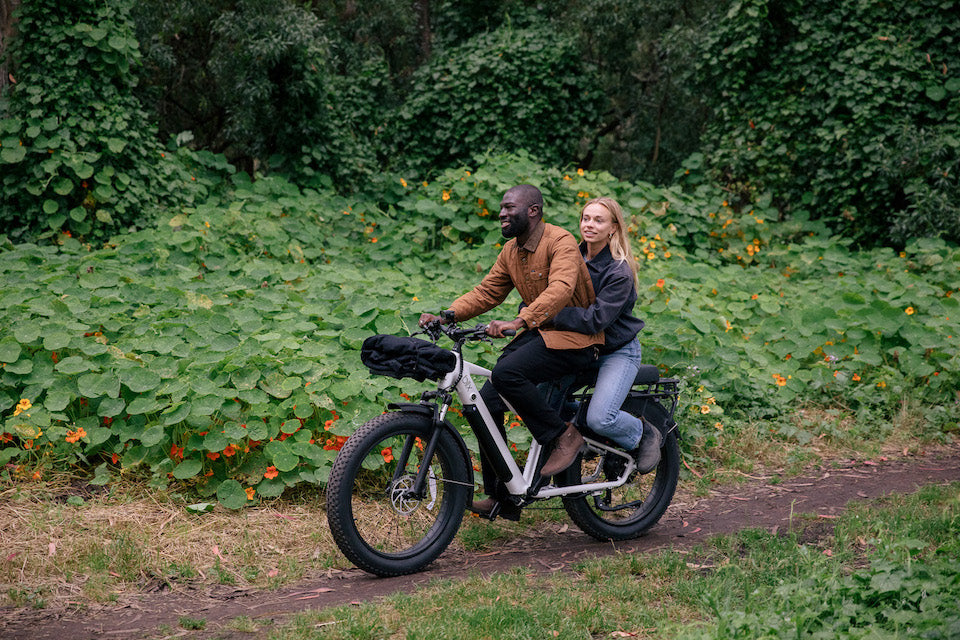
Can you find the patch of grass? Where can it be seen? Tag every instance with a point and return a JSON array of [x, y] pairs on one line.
[[192, 624], [115, 542], [753, 584]]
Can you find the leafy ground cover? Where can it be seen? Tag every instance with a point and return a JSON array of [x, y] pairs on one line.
[[218, 351]]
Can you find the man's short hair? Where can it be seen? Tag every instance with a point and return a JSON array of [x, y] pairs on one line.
[[530, 195]]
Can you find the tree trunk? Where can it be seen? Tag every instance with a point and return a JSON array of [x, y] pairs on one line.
[[7, 8], [422, 7]]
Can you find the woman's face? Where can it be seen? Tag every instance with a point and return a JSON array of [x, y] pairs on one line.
[[596, 224]]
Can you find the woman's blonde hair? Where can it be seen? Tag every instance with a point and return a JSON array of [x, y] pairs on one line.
[[619, 243]]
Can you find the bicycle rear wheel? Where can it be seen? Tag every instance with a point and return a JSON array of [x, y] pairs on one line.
[[627, 511], [375, 520]]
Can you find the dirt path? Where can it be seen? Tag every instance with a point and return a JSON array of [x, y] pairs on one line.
[[760, 502]]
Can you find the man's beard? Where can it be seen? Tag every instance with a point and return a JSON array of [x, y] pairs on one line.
[[515, 227]]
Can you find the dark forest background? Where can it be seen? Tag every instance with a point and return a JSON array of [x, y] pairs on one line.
[[845, 111]]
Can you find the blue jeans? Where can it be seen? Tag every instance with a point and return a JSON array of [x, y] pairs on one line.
[[617, 371], [615, 374]]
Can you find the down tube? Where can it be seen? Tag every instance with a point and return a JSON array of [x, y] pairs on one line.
[[492, 444]]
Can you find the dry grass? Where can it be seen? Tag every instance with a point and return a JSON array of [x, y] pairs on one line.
[[135, 538]]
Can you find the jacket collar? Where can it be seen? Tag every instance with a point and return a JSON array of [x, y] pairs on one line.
[[534, 240], [601, 259]]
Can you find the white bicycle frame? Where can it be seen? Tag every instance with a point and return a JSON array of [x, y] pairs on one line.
[[461, 379]]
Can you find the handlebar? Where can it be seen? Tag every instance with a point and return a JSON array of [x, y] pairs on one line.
[[459, 335]]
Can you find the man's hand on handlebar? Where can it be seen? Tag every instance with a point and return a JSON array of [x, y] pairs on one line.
[[498, 328], [428, 318]]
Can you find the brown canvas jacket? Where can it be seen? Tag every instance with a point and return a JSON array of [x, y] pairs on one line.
[[549, 274]]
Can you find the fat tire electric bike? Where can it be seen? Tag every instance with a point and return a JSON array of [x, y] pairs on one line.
[[399, 486]]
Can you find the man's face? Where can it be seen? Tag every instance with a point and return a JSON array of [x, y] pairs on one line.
[[514, 215]]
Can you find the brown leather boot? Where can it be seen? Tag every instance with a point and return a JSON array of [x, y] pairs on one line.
[[565, 450]]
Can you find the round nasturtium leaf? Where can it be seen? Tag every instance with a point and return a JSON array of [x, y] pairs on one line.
[[187, 469], [230, 494], [139, 379], [9, 350]]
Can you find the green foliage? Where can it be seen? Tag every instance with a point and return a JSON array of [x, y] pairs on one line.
[[253, 80], [909, 588], [76, 150], [516, 88], [219, 348], [642, 51], [849, 109]]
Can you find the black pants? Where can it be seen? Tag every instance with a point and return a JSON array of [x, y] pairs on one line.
[[525, 363]]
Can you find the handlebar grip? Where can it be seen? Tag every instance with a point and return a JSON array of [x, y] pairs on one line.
[[510, 332]]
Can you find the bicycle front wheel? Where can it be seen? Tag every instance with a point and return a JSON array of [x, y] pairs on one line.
[[627, 511], [375, 518]]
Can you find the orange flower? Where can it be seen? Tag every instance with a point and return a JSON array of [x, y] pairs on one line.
[[387, 454], [229, 451], [328, 425], [6, 437], [250, 491], [856, 377], [270, 473], [114, 458], [781, 381], [910, 311], [73, 436], [22, 406], [446, 195], [661, 282], [213, 455], [176, 452]]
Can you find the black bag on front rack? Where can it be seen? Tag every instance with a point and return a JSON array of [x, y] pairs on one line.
[[406, 357]]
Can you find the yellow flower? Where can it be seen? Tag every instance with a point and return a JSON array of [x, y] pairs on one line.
[[718, 426], [446, 195], [250, 491], [22, 406], [403, 182], [705, 408], [579, 172], [882, 384], [910, 311], [651, 256]]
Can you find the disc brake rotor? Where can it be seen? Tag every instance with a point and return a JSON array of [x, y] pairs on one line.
[[403, 499]]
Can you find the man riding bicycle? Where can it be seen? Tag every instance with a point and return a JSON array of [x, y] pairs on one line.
[[543, 263]]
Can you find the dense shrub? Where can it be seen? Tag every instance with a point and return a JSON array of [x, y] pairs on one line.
[[77, 150], [849, 108], [253, 80], [510, 89]]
